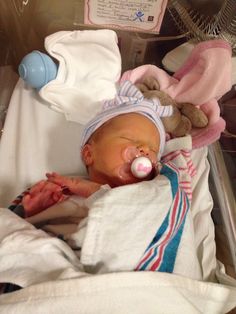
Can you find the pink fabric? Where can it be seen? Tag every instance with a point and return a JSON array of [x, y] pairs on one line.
[[203, 78]]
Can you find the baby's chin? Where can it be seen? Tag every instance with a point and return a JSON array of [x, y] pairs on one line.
[[119, 176], [126, 177], [122, 175], [116, 179], [125, 181]]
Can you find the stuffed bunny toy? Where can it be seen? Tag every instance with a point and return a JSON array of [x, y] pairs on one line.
[[185, 116]]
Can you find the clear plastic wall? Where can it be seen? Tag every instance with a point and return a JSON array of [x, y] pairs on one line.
[[25, 24]]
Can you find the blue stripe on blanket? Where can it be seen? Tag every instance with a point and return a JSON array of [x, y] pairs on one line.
[[172, 248], [161, 253], [172, 176]]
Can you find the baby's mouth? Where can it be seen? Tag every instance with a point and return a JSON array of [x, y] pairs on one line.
[[124, 171]]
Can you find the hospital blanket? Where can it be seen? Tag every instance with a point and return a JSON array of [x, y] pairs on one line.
[[161, 253], [153, 231], [146, 226]]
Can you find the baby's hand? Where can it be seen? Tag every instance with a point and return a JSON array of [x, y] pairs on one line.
[[41, 196], [60, 180], [75, 185]]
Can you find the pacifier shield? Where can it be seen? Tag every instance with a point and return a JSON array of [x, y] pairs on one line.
[[130, 153], [141, 167]]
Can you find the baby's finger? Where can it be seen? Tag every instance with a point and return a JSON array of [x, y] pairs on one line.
[[37, 187], [57, 179], [51, 174], [25, 200], [52, 187], [59, 197]]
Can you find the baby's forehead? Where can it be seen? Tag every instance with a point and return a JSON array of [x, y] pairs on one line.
[[133, 125], [128, 123]]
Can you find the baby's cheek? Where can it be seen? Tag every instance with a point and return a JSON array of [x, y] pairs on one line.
[[113, 156], [111, 164]]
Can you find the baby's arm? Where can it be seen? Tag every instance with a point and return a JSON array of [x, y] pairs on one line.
[[75, 185]]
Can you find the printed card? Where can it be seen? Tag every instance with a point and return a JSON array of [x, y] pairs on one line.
[[132, 15]]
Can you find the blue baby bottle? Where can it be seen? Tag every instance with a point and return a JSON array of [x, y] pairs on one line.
[[37, 69]]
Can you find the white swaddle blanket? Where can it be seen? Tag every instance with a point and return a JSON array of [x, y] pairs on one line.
[[89, 67], [145, 226]]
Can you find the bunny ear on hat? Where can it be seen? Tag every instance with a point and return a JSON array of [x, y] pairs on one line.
[[129, 99]]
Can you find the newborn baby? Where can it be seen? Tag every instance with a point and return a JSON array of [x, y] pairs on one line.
[[112, 220], [128, 127]]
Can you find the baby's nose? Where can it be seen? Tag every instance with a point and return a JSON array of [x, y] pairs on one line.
[[132, 152], [144, 150]]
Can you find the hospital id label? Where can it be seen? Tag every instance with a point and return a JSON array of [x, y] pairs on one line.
[[132, 15]]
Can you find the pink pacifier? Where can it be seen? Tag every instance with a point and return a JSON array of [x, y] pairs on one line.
[[141, 167]]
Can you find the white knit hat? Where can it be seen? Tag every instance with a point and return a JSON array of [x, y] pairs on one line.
[[129, 99]]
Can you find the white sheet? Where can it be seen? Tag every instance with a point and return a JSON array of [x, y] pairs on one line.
[[137, 292]]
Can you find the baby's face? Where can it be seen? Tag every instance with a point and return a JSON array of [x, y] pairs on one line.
[[116, 144]]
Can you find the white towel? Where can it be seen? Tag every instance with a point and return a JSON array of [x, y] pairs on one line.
[[89, 67]]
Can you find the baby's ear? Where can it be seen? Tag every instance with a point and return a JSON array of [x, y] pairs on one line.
[[87, 154]]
